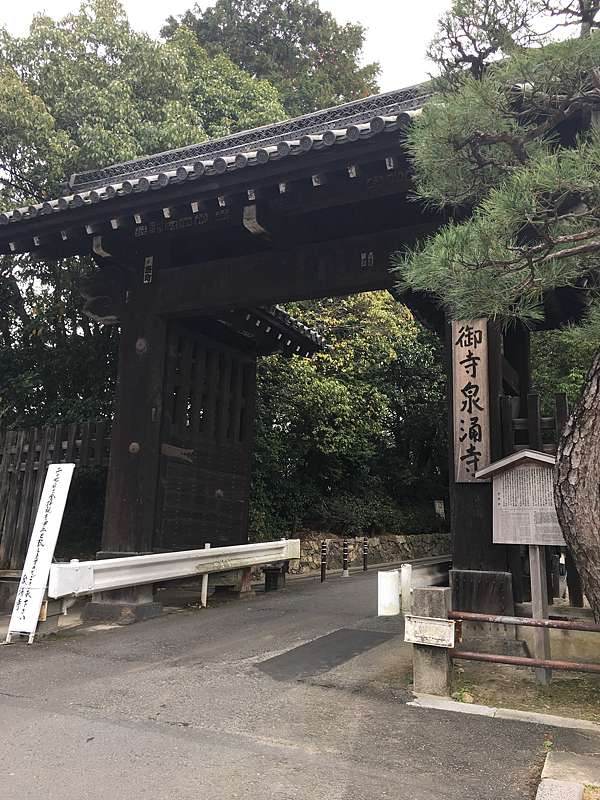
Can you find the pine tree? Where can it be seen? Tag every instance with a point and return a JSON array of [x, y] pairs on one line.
[[511, 142]]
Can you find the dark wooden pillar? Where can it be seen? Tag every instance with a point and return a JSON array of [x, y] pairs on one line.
[[129, 516], [517, 347], [480, 577]]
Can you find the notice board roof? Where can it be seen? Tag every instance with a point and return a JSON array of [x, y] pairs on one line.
[[522, 456]]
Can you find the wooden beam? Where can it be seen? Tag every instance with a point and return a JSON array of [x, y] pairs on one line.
[[342, 190], [534, 422], [227, 185], [318, 270], [251, 222], [517, 344]]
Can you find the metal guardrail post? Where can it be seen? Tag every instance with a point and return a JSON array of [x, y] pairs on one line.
[[323, 560], [204, 590], [345, 558]]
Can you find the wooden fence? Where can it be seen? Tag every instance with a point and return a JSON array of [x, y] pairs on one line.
[[533, 431], [24, 456]]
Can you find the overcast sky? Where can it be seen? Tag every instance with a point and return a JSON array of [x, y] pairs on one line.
[[397, 30]]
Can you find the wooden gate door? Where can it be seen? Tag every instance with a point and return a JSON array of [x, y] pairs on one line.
[[206, 442]]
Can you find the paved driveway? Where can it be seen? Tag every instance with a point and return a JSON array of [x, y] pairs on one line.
[[297, 694]]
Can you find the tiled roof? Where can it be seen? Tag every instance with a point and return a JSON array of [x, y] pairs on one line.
[[291, 322], [361, 119]]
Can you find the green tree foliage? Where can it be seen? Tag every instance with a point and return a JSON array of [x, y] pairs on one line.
[[514, 148], [475, 32], [76, 93], [353, 439], [561, 359], [116, 94], [312, 59], [336, 436], [492, 146]]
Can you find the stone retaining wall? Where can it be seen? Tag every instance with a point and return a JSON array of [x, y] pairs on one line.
[[381, 549]]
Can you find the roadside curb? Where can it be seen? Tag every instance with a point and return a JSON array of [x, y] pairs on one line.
[[447, 704], [559, 790], [565, 776]]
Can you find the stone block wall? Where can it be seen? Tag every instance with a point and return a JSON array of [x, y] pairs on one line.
[[382, 549]]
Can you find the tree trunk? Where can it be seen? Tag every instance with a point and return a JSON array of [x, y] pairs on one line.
[[577, 485]]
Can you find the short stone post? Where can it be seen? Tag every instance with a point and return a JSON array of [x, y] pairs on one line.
[[432, 666]]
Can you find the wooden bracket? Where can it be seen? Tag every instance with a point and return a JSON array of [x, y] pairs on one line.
[[251, 223]]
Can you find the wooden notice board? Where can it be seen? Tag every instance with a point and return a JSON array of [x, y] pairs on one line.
[[471, 398], [524, 511], [523, 499]]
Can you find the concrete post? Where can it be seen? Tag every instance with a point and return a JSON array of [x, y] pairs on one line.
[[406, 587], [432, 666]]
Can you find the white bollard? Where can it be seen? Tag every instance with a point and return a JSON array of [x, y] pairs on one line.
[[388, 593], [406, 587]]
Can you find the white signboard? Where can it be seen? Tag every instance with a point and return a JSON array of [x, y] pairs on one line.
[[429, 630], [34, 579], [471, 403], [524, 511]]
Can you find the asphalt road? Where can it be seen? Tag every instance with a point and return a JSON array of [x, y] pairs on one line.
[[297, 694]]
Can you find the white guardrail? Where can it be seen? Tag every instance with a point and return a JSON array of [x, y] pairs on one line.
[[85, 577]]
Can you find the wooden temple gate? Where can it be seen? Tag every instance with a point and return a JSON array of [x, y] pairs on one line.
[[208, 407], [193, 247]]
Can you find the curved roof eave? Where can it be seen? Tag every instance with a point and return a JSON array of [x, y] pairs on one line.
[[354, 122]]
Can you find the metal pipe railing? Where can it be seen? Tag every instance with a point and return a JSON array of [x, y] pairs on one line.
[[499, 619], [522, 661]]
